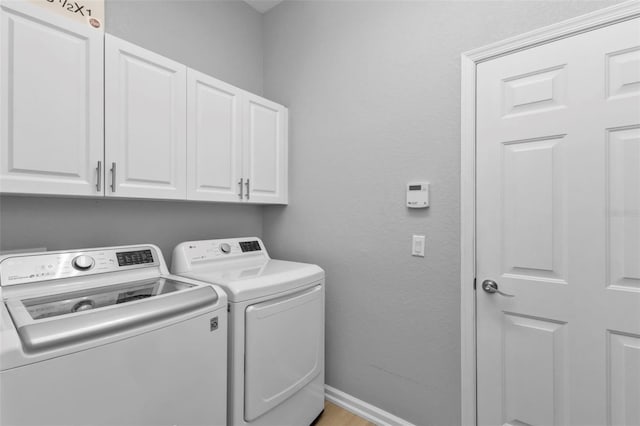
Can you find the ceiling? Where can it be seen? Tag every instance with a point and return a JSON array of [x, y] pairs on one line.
[[263, 6]]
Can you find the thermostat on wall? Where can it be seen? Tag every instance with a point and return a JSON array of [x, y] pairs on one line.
[[418, 195]]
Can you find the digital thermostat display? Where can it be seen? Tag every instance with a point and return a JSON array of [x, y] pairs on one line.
[[418, 195], [138, 257]]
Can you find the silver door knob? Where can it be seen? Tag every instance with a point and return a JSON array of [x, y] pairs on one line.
[[491, 286]]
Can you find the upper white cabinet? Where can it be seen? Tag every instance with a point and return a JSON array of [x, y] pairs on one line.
[[88, 114], [51, 107], [265, 150], [145, 123], [214, 136], [236, 144]]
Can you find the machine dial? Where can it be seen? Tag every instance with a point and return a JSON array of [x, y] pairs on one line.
[[83, 305], [83, 262], [225, 248]]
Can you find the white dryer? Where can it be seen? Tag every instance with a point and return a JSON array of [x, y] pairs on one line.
[[276, 329], [106, 336]]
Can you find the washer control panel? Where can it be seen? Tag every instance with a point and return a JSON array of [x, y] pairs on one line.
[[83, 262], [21, 269], [136, 257]]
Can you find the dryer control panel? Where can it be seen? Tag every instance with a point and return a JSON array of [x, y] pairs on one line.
[[21, 269], [194, 252], [252, 245]]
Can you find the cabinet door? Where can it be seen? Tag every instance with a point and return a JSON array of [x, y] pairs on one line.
[[145, 123], [265, 150], [213, 139], [51, 103]]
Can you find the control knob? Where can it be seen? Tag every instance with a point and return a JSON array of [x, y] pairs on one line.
[[83, 262], [225, 248], [83, 305]]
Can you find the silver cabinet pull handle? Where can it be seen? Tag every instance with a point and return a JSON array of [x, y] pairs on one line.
[[99, 177], [247, 195], [491, 286], [113, 177], [240, 183]]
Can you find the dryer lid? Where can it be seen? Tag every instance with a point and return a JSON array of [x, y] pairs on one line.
[[250, 280]]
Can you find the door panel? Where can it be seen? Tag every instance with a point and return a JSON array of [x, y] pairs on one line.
[[214, 147], [265, 149], [52, 103], [534, 354], [623, 146], [537, 91], [284, 344], [622, 73], [145, 133], [624, 383], [533, 209], [558, 196]]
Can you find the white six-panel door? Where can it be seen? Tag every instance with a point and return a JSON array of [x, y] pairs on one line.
[[214, 139], [558, 227], [145, 128], [51, 111], [265, 150]]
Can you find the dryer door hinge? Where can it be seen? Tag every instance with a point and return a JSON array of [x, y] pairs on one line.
[[474, 283]]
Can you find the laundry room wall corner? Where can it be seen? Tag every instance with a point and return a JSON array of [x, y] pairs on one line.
[[374, 94]]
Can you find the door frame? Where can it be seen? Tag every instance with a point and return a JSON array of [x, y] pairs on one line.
[[469, 61]]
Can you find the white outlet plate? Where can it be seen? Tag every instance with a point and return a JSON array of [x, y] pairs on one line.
[[417, 245]]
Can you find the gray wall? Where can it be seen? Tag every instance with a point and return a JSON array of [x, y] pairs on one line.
[[60, 223], [373, 92], [221, 38]]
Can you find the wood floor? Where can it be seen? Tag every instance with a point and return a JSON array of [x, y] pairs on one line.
[[337, 416]]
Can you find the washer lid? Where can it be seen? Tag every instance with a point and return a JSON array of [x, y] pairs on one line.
[[51, 321], [98, 297], [249, 280]]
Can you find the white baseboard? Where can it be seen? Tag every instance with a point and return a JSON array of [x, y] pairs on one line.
[[363, 409]]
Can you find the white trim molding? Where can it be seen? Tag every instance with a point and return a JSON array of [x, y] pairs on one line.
[[469, 61], [363, 409], [591, 21]]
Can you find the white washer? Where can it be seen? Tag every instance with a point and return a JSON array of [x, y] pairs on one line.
[[107, 337], [276, 329]]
